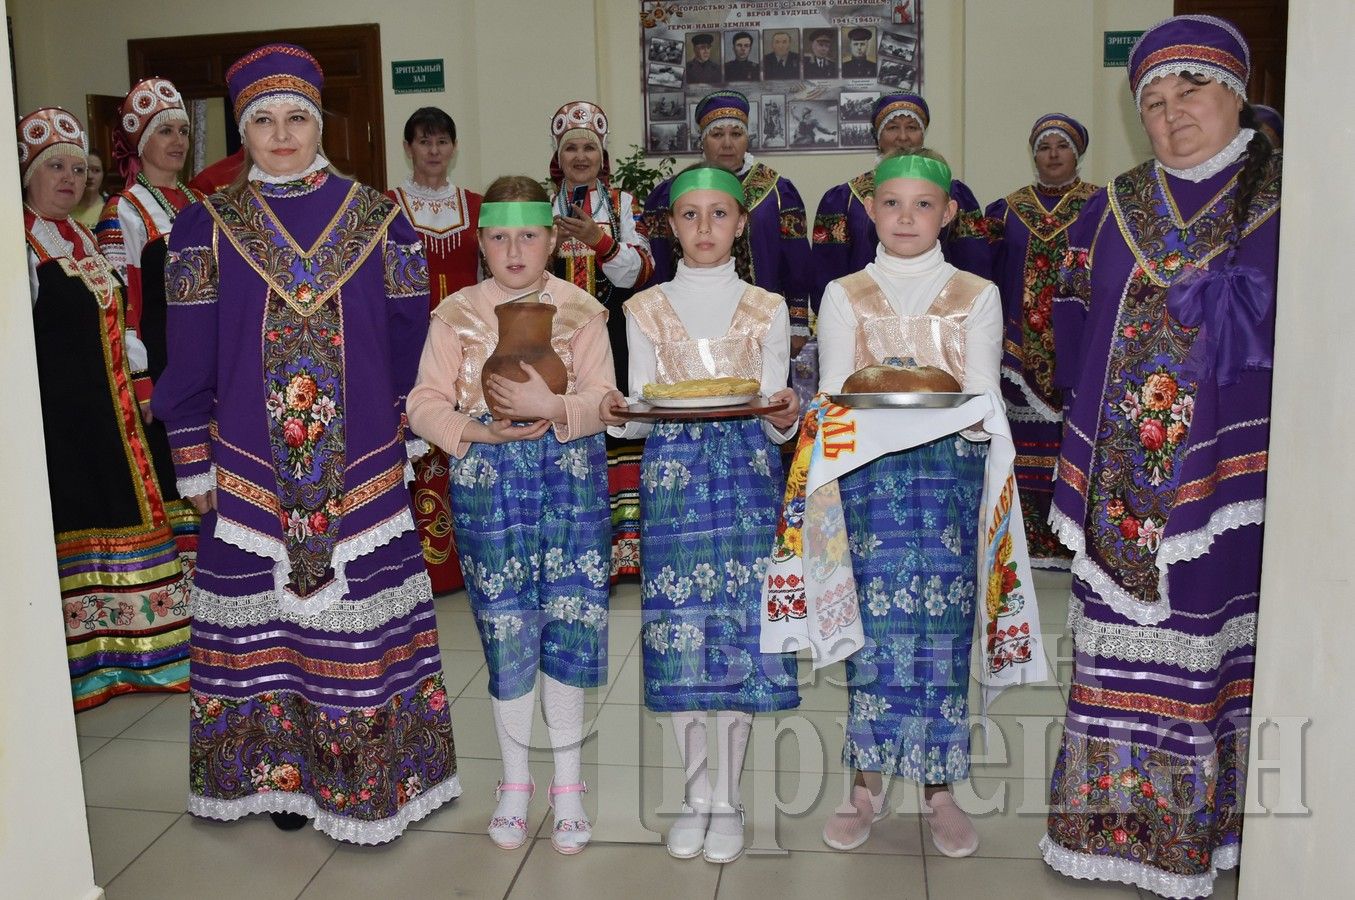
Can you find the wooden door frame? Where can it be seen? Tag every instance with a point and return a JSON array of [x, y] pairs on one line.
[[1264, 24], [157, 56]]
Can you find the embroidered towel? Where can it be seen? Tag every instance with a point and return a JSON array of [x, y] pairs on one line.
[[810, 596]]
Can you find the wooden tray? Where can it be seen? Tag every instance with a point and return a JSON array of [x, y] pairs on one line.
[[757, 407]]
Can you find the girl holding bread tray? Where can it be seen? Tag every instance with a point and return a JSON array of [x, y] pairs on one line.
[[709, 499], [912, 516]]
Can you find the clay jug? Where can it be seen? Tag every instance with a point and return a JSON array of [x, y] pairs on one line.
[[524, 336]]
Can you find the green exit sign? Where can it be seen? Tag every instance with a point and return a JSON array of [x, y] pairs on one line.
[[1117, 47], [418, 76]]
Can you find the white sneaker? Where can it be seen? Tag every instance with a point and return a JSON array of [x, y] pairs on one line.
[[687, 835], [847, 831], [724, 842], [952, 832]]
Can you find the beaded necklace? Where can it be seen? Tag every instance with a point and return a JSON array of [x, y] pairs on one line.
[[92, 268], [47, 235], [295, 186], [169, 208]]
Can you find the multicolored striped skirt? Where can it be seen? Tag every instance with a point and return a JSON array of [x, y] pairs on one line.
[[340, 716]]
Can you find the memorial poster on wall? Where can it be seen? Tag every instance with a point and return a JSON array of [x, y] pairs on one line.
[[811, 71]]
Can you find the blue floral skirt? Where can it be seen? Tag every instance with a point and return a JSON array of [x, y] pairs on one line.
[[912, 522], [709, 497], [534, 531]]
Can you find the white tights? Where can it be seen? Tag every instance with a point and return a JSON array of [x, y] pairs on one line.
[[562, 708], [731, 740]]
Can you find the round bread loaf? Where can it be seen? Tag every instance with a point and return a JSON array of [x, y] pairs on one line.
[[900, 379]]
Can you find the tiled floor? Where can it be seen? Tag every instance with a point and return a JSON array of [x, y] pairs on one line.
[[145, 846]]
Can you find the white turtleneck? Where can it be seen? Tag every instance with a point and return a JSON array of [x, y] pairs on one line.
[[910, 285], [705, 300]]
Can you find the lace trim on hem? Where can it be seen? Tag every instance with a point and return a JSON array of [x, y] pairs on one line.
[[344, 552], [290, 604], [1071, 298], [249, 540], [1079, 432], [1117, 598], [1264, 422], [1035, 410], [414, 449], [1165, 646], [1051, 562], [349, 618], [338, 827], [1068, 532], [194, 485], [1194, 544], [1177, 548], [1108, 868]]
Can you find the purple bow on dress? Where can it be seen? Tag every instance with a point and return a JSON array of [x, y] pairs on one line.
[[1230, 306]]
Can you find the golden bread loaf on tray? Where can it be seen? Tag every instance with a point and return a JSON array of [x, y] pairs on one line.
[[701, 387], [900, 379]]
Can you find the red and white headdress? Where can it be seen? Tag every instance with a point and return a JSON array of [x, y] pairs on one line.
[[48, 132], [579, 116], [148, 104]]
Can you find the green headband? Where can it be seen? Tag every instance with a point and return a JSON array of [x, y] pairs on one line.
[[706, 179], [516, 214], [926, 168]]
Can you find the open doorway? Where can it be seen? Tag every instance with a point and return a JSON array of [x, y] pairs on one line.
[[354, 135], [1264, 23]]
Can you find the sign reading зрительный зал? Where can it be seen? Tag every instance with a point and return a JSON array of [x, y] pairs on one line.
[[418, 76], [1117, 47]]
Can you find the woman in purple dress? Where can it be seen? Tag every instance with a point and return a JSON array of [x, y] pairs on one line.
[[1166, 342], [1033, 225], [316, 682]]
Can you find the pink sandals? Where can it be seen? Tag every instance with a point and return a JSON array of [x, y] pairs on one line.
[[569, 836], [510, 832]]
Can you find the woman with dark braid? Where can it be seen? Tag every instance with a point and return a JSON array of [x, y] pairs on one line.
[[1164, 335]]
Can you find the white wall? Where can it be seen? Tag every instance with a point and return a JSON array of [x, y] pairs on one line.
[[44, 848], [1303, 648], [65, 49], [1023, 60], [991, 68], [509, 66], [511, 63]]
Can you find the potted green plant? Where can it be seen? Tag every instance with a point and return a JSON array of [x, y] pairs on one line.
[[633, 173]]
